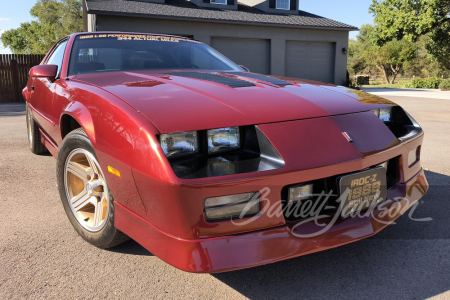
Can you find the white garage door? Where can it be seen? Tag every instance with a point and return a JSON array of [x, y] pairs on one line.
[[310, 60], [252, 53]]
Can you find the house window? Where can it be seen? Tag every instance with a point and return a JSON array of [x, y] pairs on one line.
[[282, 4], [219, 2]]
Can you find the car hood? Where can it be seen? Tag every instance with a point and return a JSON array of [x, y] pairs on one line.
[[177, 101]]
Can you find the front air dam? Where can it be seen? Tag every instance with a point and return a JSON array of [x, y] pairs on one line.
[[265, 246]]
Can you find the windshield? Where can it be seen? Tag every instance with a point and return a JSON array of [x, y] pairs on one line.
[[123, 52]]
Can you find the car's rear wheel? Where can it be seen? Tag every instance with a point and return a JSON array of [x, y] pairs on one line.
[[34, 135], [84, 192]]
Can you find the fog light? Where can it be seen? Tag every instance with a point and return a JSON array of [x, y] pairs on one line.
[[226, 207], [300, 192], [413, 156]]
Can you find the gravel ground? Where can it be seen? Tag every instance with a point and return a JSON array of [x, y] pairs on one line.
[[41, 256]]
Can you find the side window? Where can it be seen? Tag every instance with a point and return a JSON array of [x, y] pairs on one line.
[[56, 58]]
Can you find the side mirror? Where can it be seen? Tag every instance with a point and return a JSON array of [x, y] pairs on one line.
[[245, 68], [49, 71]]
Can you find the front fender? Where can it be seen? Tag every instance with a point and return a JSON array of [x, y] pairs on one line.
[[82, 115], [112, 126], [25, 93]]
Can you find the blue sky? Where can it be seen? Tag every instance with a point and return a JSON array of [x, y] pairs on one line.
[[353, 12]]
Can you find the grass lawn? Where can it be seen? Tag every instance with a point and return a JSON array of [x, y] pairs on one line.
[[378, 83]]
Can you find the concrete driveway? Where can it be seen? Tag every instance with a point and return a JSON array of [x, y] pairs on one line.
[[414, 93], [41, 256]]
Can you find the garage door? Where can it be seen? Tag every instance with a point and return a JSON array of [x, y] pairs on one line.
[[252, 53], [310, 60]]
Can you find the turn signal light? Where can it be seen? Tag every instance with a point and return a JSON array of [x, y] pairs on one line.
[[227, 207], [413, 156], [113, 171]]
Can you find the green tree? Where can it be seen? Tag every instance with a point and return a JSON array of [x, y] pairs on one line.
[[55, 19], [425, 64], [356, 60], [438, 45], [390, 58], [411, 19]]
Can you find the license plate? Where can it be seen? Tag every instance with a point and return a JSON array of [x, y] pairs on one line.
[[365, 190]]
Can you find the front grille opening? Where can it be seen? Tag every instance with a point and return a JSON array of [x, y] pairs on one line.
[[302, 210]]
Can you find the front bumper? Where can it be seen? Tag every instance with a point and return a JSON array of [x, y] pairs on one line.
[[270, 245]]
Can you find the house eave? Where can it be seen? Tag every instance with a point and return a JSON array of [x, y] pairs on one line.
[[153, 16]]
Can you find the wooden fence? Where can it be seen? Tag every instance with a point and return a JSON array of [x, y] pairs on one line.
[[14, 70]]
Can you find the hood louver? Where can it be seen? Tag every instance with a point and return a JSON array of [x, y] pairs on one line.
[[228, 81]]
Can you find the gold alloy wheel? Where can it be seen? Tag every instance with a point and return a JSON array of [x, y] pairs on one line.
[[86, 189]]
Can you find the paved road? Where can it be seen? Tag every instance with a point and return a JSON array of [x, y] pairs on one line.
[[413, 93], [41, 256]]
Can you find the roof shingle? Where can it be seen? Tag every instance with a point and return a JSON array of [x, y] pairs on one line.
[[187, 10]]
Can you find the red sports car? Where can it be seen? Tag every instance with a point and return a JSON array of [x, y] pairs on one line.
[[209, 166]]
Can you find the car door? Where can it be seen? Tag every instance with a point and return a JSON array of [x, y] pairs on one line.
[[44, 88]]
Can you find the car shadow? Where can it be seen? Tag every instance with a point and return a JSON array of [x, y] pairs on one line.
[[45, 154], [130, 247], [410, 259], [12, 109]]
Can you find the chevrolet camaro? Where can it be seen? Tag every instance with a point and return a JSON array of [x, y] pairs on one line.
[[209, 166]]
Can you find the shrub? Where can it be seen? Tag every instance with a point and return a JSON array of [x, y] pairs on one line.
[[433, 83], [445, 85], [350, 82], [423, 83]]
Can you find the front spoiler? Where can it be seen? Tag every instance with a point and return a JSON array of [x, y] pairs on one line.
[[266, 246]]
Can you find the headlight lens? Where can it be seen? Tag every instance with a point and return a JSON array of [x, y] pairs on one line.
[[180, 143], [225, 207], [219, 152], [223, 139], [401, 124], [385, 114]]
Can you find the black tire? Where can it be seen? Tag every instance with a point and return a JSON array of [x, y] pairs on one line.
[[108, 236], [34, 135]]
